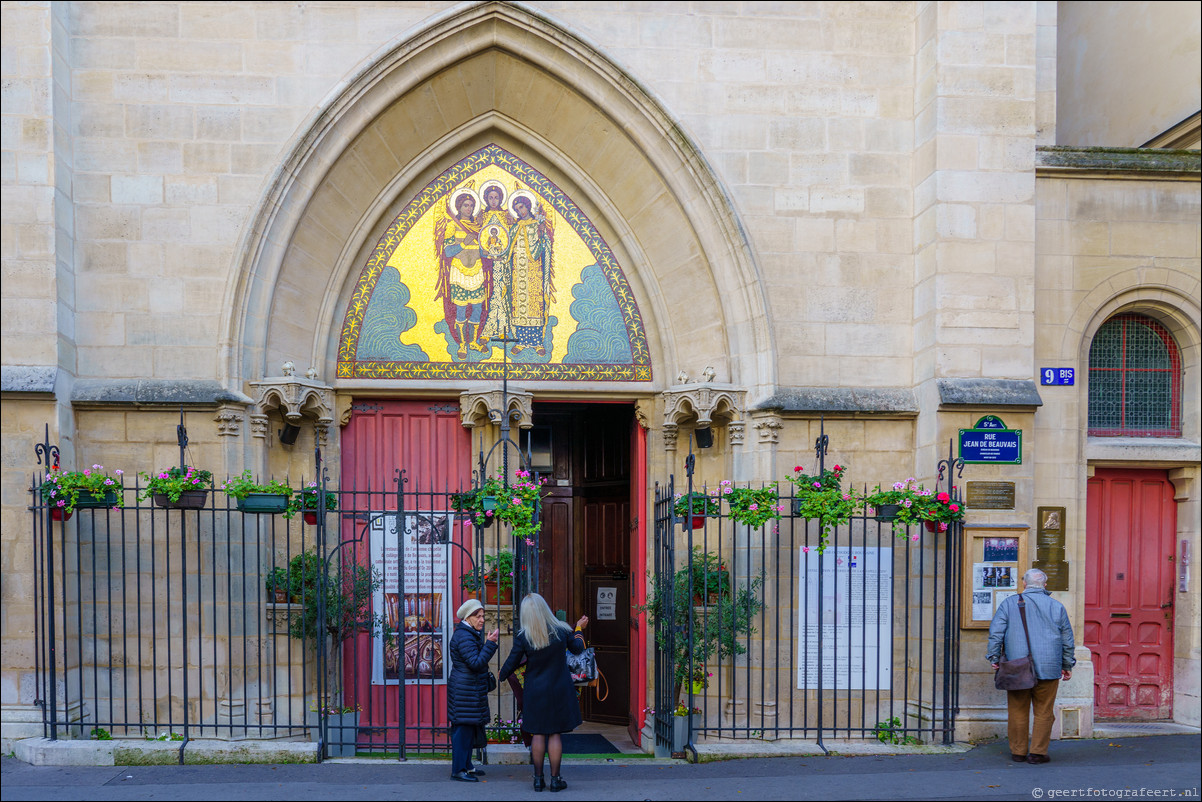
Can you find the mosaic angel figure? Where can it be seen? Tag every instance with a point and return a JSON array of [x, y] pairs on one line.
[[464, 275], [530, 270]]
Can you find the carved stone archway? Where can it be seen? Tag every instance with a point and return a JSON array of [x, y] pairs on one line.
[[322, 209]]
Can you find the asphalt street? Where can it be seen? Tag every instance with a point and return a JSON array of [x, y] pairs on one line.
[[1132, 768]]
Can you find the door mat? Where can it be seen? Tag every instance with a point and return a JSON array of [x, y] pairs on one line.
[[587, 744]]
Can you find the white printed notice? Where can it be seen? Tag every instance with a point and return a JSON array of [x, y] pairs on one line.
[[416, 620], [852, 622]]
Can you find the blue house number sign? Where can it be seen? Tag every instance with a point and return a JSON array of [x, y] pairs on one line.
[[1057, 375], [989, 441]]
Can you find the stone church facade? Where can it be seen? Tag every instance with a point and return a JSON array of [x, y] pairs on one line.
[[877, 221]]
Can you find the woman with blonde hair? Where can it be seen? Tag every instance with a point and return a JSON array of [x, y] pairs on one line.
[[549, 705]]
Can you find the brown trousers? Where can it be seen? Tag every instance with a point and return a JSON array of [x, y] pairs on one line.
[[1018, 709]]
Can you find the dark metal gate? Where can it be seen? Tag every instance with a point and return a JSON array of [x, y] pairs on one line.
[[160, 622], [858, 641]]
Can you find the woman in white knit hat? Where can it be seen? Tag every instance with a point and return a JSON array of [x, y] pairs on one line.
[[467, 688]]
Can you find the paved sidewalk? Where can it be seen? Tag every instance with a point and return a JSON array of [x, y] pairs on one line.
[[1160, 766]]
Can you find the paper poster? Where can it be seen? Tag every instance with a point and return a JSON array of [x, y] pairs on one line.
[[987, 576], [413, 598], [856, 611], [982, 605]]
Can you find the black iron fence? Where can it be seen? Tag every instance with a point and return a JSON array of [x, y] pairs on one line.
[[765, 633], [206, 621], [164, 623]]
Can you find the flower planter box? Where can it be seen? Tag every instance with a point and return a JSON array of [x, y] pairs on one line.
[[680, 733], [887, 513], [188, 500], [88, 501], [494, 595], [342, 732], [263, 503]]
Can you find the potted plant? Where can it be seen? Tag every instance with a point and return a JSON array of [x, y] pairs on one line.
[[341, 727], [516, 504], [822, 497], [937, 510], [710, 577], [717, 628], [177, 488], [277, 584], [752, 506], [696, 507], [682, 726], [307, 500], [256, 498], [479, 505], [504, 732], [496, 580], [349, 590], [700, 680], [64, 491]]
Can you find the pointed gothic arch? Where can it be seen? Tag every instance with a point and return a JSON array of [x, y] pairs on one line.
[[496, 73]]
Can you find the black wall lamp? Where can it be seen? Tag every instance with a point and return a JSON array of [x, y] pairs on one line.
[[705, 437]]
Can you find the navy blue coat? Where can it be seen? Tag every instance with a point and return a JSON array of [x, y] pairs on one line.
[[467, 688], [549, 703]]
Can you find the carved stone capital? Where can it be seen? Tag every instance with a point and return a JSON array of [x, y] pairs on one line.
[[296, 398], [707, 400], [769, 429], [737, 431], [229, 420], [478, 408], [258, 425], [670, 431]]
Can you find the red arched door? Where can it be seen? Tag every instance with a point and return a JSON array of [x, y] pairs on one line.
[[1129, 592]]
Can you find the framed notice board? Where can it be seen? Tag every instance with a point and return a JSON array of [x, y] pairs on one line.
[[994, 562]]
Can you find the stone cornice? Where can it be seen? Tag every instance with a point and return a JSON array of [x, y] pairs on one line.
[[188, 393], [842, 402], [1118, 163]]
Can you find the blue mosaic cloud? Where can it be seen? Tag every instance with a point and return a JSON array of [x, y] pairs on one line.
[[388, 316], [600, 337]]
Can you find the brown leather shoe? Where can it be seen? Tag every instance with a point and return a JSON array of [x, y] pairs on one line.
[[1018, 758], [1035, 759]]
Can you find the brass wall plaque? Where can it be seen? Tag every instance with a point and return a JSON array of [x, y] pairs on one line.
[[990, 495]]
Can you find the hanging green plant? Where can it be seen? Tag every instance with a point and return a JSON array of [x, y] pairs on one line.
[[256, 497], [516, 504], [308, 499], [752, 506], [821, 497], [908, 503], [697, 503], [63, 491], [170, 487]]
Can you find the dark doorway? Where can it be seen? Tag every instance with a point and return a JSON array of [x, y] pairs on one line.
[[584, 451]]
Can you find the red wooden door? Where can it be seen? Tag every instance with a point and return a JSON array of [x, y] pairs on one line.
[[426, 440], [1130, 523]]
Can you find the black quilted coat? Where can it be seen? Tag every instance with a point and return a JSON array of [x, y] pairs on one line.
[[467, 689]]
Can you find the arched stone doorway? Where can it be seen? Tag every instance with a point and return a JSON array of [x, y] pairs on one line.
[[496, 76]]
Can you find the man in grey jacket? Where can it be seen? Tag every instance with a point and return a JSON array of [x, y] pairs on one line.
[[1052, 654]]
